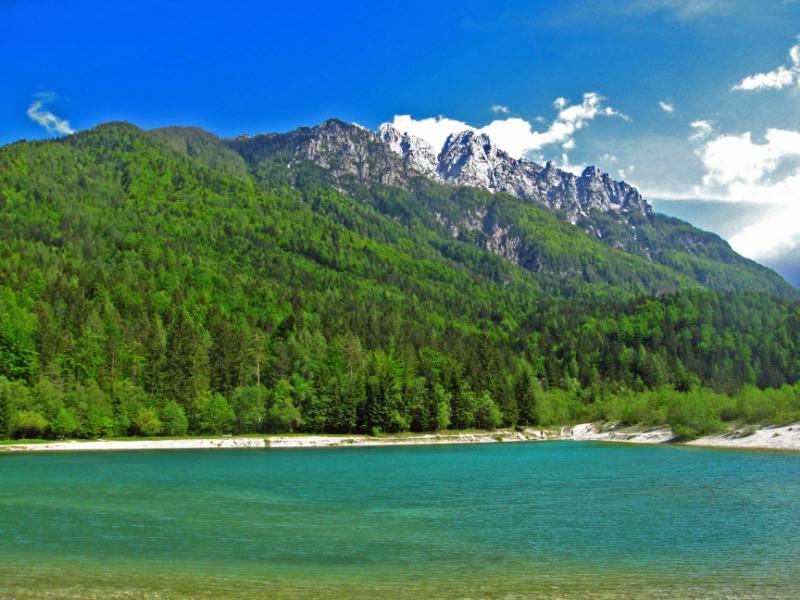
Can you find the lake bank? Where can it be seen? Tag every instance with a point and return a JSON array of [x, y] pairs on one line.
[[779, 437]]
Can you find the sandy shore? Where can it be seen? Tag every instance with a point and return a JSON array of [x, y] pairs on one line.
[[631, 435], [779, 437], [277, 441], [784, 437]]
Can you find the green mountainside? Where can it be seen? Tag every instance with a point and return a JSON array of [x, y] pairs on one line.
[[171, 281], [358, 162]]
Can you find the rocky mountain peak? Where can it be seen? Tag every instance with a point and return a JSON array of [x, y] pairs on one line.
[[416, 152], [592, 172], [598, 191], [467, 158], [470, 159]]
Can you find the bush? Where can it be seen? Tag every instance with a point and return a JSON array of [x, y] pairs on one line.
[[65, 423], [283, 415], [29, 424], [92, 406], [146, 422], [555, 407], [693, 415], [216, 415], [173, 419], [397, 422], [131, 400]]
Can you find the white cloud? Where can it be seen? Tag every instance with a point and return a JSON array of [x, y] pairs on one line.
[[667, 107], [773, 80], [626, 172], [734, 159], [608, 158], [39, 114], [500, 108], [433, 130], [514, 135], [777, 79], [702, 129], [739, 169], [774, 234]]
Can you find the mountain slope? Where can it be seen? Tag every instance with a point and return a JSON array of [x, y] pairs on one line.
[[363, 163], [153, 282]]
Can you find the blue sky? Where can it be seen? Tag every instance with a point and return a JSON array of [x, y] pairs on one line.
[[663, 111]]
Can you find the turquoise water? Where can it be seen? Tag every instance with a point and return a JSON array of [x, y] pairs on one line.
[[555, 519]]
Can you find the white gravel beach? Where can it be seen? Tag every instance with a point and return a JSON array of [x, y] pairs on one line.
[[782, 437]]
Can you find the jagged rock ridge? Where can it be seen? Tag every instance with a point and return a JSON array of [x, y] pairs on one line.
[[392, 157], [472, 159]]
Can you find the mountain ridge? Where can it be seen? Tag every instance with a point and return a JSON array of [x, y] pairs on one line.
[[473, 159], [612, 212]]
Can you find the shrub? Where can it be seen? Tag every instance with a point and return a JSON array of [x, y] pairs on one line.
[[173, 419], [65, 423], [693, 415], [283, 415], [146, 422], [29, 424], [216, 415], [554, 408]]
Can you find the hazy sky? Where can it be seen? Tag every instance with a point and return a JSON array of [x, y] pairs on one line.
[[695, 100]]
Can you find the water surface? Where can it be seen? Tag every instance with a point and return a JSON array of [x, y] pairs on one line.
[[556, 519]]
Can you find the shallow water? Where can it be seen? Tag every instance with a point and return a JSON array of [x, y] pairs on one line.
[[555, 519]]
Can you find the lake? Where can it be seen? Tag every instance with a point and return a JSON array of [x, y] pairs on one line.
[[549, 519]]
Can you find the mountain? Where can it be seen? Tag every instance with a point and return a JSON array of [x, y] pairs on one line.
[[358, 161], [321, 280], [727, 218]]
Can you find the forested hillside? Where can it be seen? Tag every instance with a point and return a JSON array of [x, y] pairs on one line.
[[164, 283]]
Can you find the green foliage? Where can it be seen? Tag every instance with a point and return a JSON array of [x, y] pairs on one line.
[[65, 423], [29, 424], [282, 414], [487, 413], [173, 419], [215, 414], [752, 405], [442, 406], [5, 408], [129, 402], [165, 283], [18, 359], [146, 422], [556, 407], [691, 417], [248, 404], [93, 408]]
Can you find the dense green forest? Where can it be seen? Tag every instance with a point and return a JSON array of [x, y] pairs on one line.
[[149, 290]]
